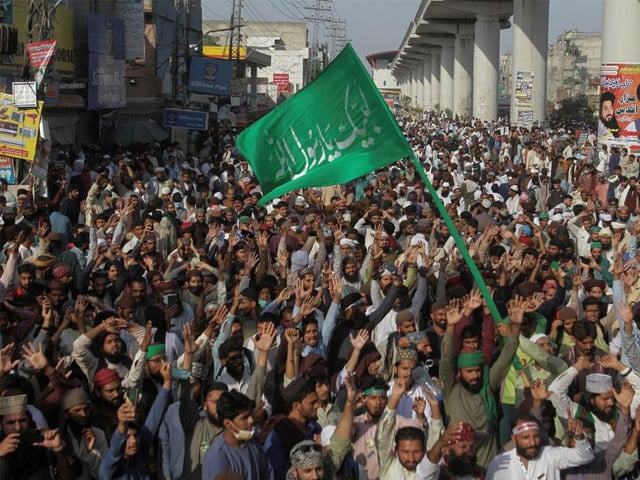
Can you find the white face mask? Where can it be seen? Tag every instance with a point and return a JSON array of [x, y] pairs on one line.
[[243, 435]]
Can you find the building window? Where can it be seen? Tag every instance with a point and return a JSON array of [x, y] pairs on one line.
[[384, 83]]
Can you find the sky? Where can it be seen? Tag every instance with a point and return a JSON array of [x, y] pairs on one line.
[[378, 25]]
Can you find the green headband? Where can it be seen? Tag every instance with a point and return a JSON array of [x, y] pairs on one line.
[[470, 359], [374, 391], [155, 349]]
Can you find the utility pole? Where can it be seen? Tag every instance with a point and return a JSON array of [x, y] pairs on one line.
[[338, 36], [316, 19], [39, 26], [235, 35]]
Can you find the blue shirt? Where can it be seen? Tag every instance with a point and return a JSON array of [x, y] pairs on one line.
[[250, 461]]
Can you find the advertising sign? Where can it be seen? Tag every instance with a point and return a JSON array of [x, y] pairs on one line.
[[210, 76], [40, 57], [619, 109], [182, 118], [107, 86], [222, 52], [132, 13], [18, 129], [524, 85], [6, 170], [282, 81]]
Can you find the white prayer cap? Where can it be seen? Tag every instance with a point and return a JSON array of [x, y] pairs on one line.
[[599, 383], [348, 241], [557, 217], [537, 336], [446, 184], [165, 191], [618, 226], [605, 232]]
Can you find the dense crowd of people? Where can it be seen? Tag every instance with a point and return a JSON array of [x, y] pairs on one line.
[[157, 323]]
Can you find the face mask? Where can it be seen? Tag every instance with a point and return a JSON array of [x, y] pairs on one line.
[[243, 435], [263, 303], [178, 205]]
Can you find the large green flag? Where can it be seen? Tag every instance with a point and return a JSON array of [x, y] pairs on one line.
[[332, 131]]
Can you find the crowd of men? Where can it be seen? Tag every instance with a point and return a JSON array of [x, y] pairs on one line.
[[157, 323]]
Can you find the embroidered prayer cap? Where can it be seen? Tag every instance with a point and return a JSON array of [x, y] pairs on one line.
[[306, 454], [599, 383], [13, 404], [406, 354]]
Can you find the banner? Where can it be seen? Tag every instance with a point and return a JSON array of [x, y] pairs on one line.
[[6, 170], [619, 109], [332, 131], [210, 76], [222, 52], [107, 85], [18, 129], [132, 13], [523, 99], [40, 57]]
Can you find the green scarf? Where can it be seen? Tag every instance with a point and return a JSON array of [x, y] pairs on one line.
[[476, 359]]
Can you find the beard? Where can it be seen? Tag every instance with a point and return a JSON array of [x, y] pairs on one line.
[[602, 415], [528, 453], [214, 420], [470, 387], [612, 125], [77, 428], [114, 358], [351, 278], [197, 291]]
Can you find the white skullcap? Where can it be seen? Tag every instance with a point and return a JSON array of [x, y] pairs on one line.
[[599, 383]]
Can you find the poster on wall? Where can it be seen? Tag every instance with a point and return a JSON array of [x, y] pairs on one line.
[[523, 98], [107, 86], [619, 107], [132, 12]]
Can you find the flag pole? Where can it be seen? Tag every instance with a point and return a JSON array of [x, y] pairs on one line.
[[462, 248]]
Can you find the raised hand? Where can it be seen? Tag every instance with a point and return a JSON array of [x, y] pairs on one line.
[[539, 390], [292, 335], [6, 353], [625, 396], [267, 338], [419, 406], [625, 313], [454, 311], [190, 346], [516, 308], [583, 363], [335, 288], [359, 340], [36, 358], [610, 361], [574, 426], [308, 306], [221, 314], [89, 438]]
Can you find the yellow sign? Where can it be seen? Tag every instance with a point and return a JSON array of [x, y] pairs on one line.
[[18, 129], [223, 52], [62, 32]]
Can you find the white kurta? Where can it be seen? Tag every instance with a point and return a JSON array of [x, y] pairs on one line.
[[547, 466]]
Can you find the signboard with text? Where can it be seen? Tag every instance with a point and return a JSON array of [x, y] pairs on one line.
[[182, 118], [210, 76], [282, 81], [18, 129]]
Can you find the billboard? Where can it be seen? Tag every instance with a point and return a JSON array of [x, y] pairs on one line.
[[210, 76], [132, 13], [619, 107], [222, 52], [18, 129], [62, 33], [107, 83]]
